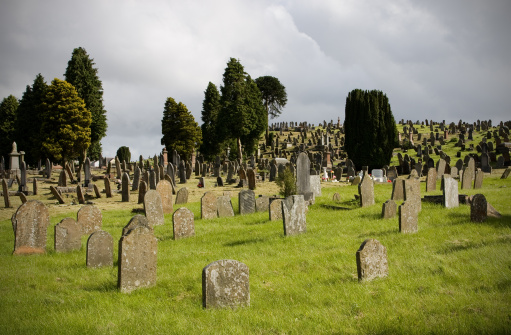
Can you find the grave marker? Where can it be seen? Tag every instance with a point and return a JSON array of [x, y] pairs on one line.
[[225, 283], [183, 223], [153, 208], [293, 215], [165, 190], [478, 208], [100, 250], [68, 235], [208, 206], [372, 260], [30, 225], [90, 219], [247, 202], [224, 206]]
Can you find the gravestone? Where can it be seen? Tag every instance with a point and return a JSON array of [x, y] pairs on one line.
[[62, 179], [137, 259], [80, 195], [182, 172], [450, 192], [86, 170], [225, 283], [108, 190], [293, 215], [5, 191], [56, 194], [336, 197], [208, 206], [389, 209], [478, 181], [90, 219], [466, 178], [251, 179], [136, 179], [247, 202], [152, 180], [96, 191], [303, 181], [262, 203], [506, 173], [136, 221], [142, 189], [315, 185], [398, 189], [125, 187], [165, 190], [224, 206], [372, 260], [68, 235], [275, 209], [183, 223], [440, 168], [182, 196], [100, 249], [153, 208], [412, 192], [431, 180], [118, 171], [23, 197], [366, 191], [478, 208], [219, 181], [408, 217], [30, 225]]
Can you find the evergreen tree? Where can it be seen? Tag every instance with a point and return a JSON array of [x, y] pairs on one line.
[[66, 123], [29, 120], [8, 108], [210, 146], [124, 154], [370, 129], [179, 129], [274, 96], [83, 76]]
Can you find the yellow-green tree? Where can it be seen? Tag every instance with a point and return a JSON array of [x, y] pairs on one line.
[[66, 123]]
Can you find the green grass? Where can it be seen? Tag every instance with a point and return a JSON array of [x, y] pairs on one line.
[[453, 276]]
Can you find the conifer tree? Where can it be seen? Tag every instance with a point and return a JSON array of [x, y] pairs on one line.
[[8, 108], [210, 146], [274, 96], [124, 154]]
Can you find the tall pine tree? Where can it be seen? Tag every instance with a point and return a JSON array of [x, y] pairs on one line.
[[211, 145], [8, 108], [83, 76]]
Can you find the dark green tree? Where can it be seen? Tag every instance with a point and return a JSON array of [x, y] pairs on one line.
[[210, 146], [66, 123], [29, 120], [242, 115], [83, 76], [179, 129], [8, 108], [370, 129], [274, 96], [124, 154]]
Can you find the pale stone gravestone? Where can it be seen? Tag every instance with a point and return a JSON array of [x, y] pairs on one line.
[[412, 192], [5, 191], [23, 197], [137, 259], [79, 194], [303, 181], [142, 189], [125, 187], [408, 217], [30, 225], [208, 206], [96, 191], [136, 179], [366, 191], [275, 209], [136, 221], [389, 209], [153, 208], [224, 206], [68, 235], [315, 185], [293, 215], [262, 203], [506, 173], [472, 165], [336, 197], [440, 168], [117, 167], [466, 179], [225, 283], [165, 190], [183, 223], [478, 208], [372, 260], [182, 196], [100, 249], [90, 218], [108, 189], [251, 179], [356, 180], [450, 191], [478, 181], [247, 202], [431, 180], [56, 194]]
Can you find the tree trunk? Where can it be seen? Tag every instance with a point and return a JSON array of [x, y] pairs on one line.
[[240, 154]]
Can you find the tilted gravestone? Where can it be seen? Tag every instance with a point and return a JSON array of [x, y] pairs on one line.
[[251, 179], [275, 209], [478, 208], [450, 192], [30, 225], [208, 206], [165, 190], [225, 283], [293, 215], [372, 260], [247, 202], [137, 259], [90, 219], [262, 203], [23, 197], [366, 191], [100, 249], [136, 221], [108, 189], [142, 189], [96, 191], [56, 194], [182, 196], [398, 189], [153, 208], [79, 194], [478, 181], [431, 180], [506, 173], [389, 209], [224, 206], [5, 191], [408, 217], [183, 223], [68, 235]]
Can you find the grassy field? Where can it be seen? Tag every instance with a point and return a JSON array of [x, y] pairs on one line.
[[453, 276]]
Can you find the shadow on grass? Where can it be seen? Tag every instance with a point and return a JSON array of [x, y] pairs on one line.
[[105, 286], [455, 246], [380, 233], [244, 242], [336, 208], [373, 216], [458, 219]]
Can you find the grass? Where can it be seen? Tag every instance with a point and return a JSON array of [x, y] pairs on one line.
[[453, 276]]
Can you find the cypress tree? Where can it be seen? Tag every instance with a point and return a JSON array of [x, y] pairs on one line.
[[124, 154], [8, 108], [210, 146]]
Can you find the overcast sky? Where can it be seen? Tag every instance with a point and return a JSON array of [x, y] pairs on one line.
[[434, 59]]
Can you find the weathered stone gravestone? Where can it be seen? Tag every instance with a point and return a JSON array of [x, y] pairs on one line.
[[275, 210], [153, 208], [79, 194], [389, 209], [372, 260], [125, 187], [165, 190], [262, 203], [478, 208], [366, 191], [466, 178], [183, 223], [336, 197], [251, 179], [136, 179], [450, 191], [30, 225], [224, 206], [208, 206], [440, 168], [90, 219], [506, 173], [5, 191], [247, 202], [56, 194], [315, 183], [62, 179], [398, 189], [225, 283], [108, 189], [182, 196], [100, 249], [478, 181], [68, 235], [408, 217], [137, 259], [136, 221], [293, 215], [142, 189], [303, 181], [412, 190], [431, 180]]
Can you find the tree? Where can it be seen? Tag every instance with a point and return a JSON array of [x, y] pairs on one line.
[[370, 129], [210, 146], [29, 120], [179, 129], [8, 108], [80, 72], [124, 154], [66, 123], [274, 96], [242, 115]]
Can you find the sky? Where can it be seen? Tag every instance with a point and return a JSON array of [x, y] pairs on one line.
[[435, 59]]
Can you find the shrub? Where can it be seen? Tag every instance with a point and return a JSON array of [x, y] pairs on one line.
[[286, 183]]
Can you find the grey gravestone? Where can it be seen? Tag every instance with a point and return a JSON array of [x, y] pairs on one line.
[[506, 173], [408, 217], [440, 168], [262, 203], [478, 208], [153, 208], [466, 178], [431, 180], [389, 209], [275, 209], [303, 181], [23, 197], [225, 283], [90, 219], [117, 168], [62, 179], [412, 190], [366, 191], [478, 181], [165, 190], [372, 260], [96, 191], [208, 206], [79, 194], [183, 223], [68, 235], [5, 190], [56, 194], [251, 179], [450, 191], [398, 189], [293, 215], [182, 172], [30, 225], [108, 189], [315, 184], [86, 169], [137, 259], [247, 202], [100, 249], [152, 180], [224, 206], [136, 179], [182, 196], [136, 221], [142, 189], [125, 187]]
